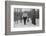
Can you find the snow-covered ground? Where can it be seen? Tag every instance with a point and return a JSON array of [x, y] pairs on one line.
[[28, 24]]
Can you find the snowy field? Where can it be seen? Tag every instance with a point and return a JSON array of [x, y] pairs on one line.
[[28, 24]]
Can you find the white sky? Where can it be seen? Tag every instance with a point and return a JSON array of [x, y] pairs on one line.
[[23, 9]]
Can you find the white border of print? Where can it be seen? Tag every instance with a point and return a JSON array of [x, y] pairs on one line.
[[26, 28]]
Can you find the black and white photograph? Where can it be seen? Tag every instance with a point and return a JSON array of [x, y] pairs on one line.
[[26, 17]]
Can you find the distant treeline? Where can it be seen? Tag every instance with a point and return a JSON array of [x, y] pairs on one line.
[[18, 15]]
